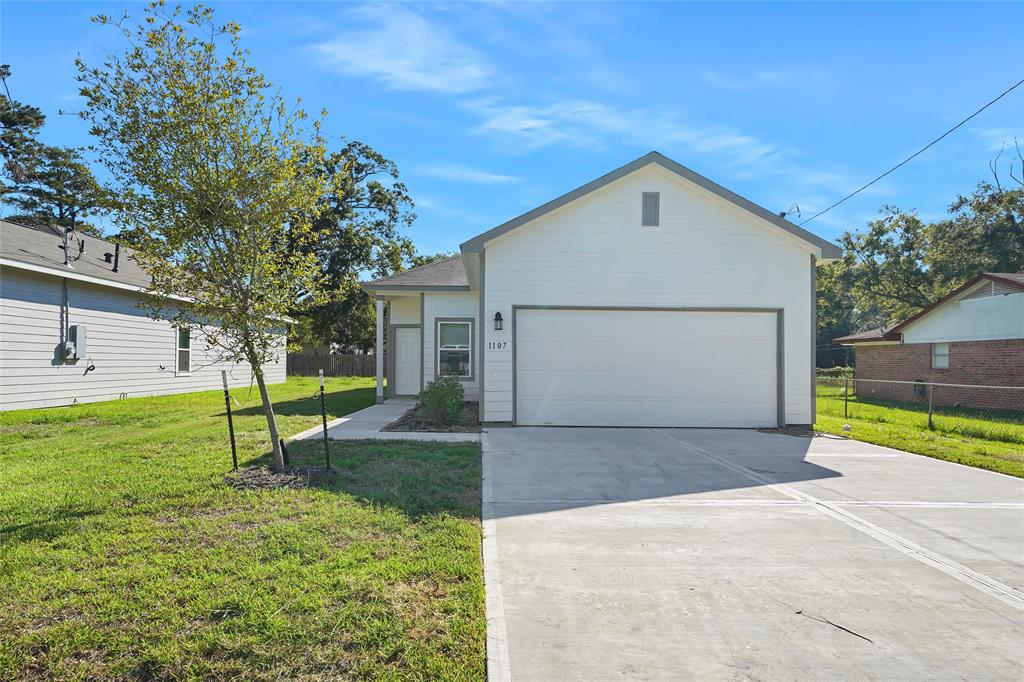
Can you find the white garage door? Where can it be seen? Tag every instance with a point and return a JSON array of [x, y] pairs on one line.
[[645, 368]]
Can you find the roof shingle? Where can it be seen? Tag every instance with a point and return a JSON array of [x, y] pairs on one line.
[[44, 246], [449, 273]]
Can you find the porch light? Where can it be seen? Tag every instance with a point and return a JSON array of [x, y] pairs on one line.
[[497, 322]]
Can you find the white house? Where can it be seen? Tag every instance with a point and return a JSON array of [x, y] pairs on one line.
[[74, 332], [648, 297]]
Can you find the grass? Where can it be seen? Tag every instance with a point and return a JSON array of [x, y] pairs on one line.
[[124, 555], [986, 439]]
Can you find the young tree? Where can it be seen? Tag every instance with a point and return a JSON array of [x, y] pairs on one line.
[[215, 180], [58, 189]]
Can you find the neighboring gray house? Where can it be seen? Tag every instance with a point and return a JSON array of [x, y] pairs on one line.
[[75, 333]]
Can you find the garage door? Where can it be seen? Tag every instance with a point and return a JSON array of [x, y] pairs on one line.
[[645, 368]]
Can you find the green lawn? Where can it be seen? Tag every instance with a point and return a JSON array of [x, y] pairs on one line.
[[981, 438], [124, 555]]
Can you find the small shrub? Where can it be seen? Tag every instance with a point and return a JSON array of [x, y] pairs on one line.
[[441, 401], [835, 372]]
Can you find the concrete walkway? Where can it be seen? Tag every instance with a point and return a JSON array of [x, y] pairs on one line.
[[366, 424], [673, 554]]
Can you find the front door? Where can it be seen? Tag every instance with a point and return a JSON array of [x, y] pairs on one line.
[[407, 361]]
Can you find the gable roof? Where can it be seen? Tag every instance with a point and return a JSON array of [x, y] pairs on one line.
[[41, 249], [828, 249], [1012, 279], [447, 275], [877, 334]]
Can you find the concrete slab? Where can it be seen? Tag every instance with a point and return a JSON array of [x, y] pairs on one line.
[[366, 424], [632, 554]]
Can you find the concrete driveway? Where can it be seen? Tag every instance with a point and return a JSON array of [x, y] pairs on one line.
[[715, 554]]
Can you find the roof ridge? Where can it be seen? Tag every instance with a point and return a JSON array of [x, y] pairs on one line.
[[828, 249]]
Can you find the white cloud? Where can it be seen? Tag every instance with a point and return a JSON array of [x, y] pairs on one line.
[[999, 138], [585, 123], [405, 52], [440, 208], [458, 173]]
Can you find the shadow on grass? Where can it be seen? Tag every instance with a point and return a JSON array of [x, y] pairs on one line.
[[57, 523], [338, 403], [418, 478]]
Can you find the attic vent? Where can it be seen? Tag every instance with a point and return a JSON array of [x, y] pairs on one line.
[[651, 208]]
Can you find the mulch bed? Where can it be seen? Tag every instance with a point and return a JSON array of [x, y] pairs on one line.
[[469, 421], [262, 478]]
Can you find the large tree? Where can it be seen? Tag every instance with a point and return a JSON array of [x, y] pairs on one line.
[[57, 189], [19, 124], [901, 264], [361, 226], [215, 179]]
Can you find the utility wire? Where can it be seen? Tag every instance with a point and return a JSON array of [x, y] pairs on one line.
[[918, 152]]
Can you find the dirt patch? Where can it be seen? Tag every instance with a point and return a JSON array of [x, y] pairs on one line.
[[262, 478], [413, 420]]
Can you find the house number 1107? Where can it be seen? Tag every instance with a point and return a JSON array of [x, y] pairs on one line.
[[497, 345]]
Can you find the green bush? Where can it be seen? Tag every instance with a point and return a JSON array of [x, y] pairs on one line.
[[441, 400], [835, 373]]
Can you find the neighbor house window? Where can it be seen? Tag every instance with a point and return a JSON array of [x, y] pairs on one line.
[[651, 208], [455, 348], [940, 355], [184, 351]]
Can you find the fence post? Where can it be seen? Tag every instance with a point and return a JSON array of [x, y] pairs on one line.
[[846, 398], [931, 390], [231, 425], [323, 411]]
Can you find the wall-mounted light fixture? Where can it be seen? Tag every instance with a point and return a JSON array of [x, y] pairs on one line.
[[498, 324]]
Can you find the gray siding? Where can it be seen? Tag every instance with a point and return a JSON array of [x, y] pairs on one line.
[[127, 347]]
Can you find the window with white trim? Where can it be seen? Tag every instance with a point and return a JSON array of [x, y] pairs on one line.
[[184, 354], [940, 356], [455, 349]]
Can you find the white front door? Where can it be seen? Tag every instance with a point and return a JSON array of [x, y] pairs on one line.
[[407, 361], [645, 368]]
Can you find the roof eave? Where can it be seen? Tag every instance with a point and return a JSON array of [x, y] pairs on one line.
[[370, 287]]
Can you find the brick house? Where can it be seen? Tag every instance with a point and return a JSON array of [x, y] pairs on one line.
[[972, 336]]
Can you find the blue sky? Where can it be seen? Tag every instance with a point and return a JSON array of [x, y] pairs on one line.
[[492, 109]]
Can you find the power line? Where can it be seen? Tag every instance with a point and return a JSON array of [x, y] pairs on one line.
[[918, 152]]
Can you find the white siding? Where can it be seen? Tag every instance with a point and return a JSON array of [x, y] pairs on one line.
[[404, 310], [127, 348], [451, 305], [705, 253], [972, 319]]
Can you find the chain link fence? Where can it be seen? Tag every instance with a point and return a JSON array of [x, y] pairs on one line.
[[989, 412]]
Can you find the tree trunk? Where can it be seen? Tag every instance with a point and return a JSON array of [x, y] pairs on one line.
[[268, 409]]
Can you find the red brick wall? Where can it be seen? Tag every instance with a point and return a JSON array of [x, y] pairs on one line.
[[987, 363]]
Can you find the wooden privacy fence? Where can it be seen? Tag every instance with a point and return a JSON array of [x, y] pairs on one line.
[[301, 364]]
